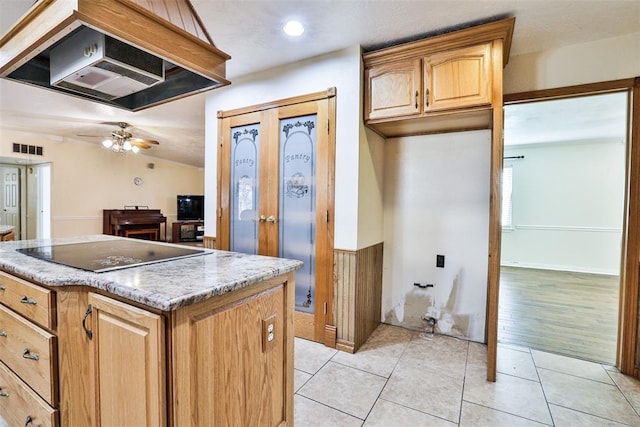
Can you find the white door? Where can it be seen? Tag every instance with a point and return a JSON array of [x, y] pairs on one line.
[[11, 198]]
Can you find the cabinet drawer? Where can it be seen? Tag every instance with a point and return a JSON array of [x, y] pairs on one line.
[[32, 301], [30, 352], [18, 403]]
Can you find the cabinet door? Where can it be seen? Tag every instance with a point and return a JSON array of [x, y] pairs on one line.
[[458, 78], [393, 89], [232, 362], [128, 364]]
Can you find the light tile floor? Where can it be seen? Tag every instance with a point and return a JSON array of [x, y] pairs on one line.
[[402, 378]]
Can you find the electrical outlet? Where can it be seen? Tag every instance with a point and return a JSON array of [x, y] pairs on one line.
[[440, 261], [268, 333]]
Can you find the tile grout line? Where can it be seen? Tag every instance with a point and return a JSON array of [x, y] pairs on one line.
[[623, 393], [387, 379], [544, 393], [520, 378]]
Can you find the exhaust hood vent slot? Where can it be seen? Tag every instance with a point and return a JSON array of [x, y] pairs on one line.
[[95, 64]]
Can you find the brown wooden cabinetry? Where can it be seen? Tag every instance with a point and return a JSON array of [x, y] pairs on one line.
[[448, 80], [128, 364], [458, 78], [227, 360], [19, 405], [442, 83], [394, 89], [28, 354]]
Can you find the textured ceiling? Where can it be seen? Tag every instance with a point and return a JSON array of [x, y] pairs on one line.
[[250, 32]]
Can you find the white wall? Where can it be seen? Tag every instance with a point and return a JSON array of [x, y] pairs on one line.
[[368, 182], [86, 178], [597, 61], [436, 201], [371, 188], [567, 206], [340, 69]]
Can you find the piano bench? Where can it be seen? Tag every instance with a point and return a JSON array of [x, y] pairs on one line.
[[152, 233]]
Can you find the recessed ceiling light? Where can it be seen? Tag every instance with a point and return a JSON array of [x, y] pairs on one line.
[[293, 29]]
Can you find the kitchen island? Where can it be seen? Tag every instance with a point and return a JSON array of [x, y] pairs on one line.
[[202, 340]]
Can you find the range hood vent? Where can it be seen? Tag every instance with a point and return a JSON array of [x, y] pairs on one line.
[[98, 65], [117, 52]]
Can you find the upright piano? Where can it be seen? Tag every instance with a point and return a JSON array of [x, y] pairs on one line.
[[134, 222]]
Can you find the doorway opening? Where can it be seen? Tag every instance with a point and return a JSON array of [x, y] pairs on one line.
[[562, 224], [25, 199]]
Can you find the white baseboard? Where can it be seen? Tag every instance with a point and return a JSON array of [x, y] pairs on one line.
[[570, 268]]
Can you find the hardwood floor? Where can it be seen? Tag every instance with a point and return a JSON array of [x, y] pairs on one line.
[[574, 314]]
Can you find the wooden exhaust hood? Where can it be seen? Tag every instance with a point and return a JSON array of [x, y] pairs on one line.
[[169, 32]]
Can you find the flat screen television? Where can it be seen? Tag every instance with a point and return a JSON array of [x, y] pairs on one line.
[[190, 208]]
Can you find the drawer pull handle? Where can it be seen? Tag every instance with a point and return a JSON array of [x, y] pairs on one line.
[[3, 334], [29, 422], [84, 322], [26, 300], [27, 355]]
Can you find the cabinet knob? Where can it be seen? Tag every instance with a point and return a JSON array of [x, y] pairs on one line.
[[3, 334], [3, 393], [2, 288]]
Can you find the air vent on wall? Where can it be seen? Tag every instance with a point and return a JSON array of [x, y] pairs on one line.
[[28, 149]]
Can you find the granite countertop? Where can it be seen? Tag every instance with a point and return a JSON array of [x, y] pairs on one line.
[[4, 229], [166, 285]]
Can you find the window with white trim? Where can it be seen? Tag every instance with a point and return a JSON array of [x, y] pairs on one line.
[[507, 203]]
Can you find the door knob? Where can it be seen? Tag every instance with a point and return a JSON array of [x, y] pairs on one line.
[[272, 219]]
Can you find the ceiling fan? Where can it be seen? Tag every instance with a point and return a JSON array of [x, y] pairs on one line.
[[121, 140]]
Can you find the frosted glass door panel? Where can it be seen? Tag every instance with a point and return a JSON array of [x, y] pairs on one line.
[[297, 209], [245, 146]]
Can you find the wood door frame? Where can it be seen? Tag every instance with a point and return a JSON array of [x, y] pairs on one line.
[[324, 213], [630, 259]]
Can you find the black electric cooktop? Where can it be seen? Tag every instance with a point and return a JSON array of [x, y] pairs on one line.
[[107, 255]]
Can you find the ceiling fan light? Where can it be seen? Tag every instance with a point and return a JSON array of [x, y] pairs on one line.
[[107, 143], [127, 146], [135, 149]]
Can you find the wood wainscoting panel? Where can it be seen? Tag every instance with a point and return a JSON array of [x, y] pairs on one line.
[[209, 242], [358, 295]]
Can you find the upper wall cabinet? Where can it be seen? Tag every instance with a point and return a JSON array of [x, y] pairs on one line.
[[442, 83], [458, 78], [394, 89]]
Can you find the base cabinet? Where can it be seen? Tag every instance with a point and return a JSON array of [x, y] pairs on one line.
[[21, 406], [127, 348], [235, 364], [225, 361]]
